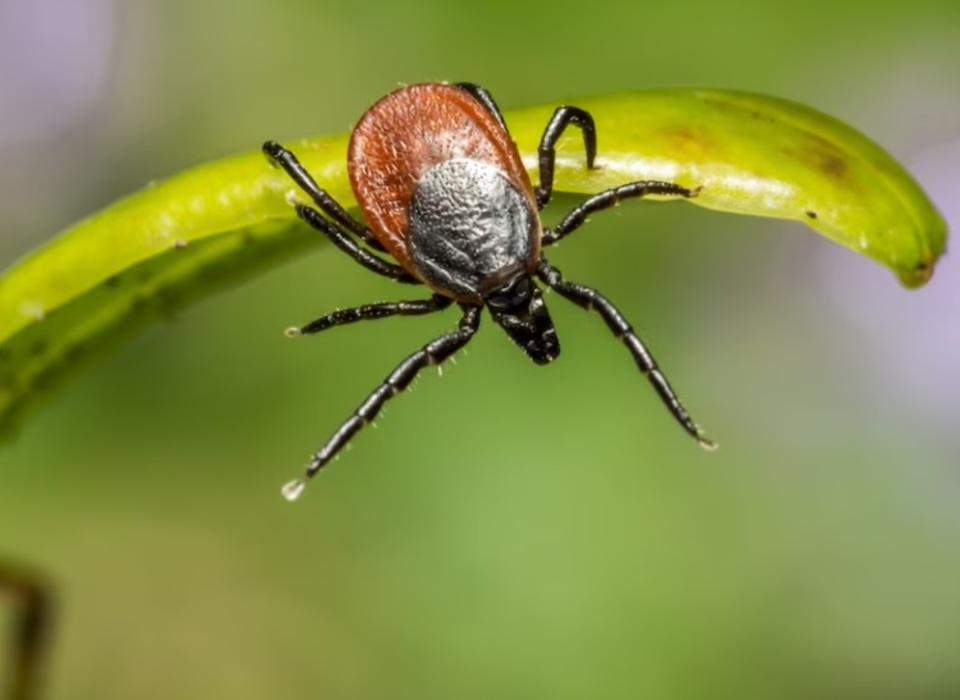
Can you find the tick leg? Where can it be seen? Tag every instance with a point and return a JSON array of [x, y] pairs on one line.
[[433, 353], [486, 99], [30, 635], [561, 119], [591, 300], [374, 311], [280, 156], [609, 198], [352, 248]]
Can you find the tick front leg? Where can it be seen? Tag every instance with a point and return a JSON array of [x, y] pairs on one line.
[[31, 630], [609, 198], [433, 353], [592, 300], [562, 118]]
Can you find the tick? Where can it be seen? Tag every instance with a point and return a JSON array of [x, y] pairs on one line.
[[444, 194]]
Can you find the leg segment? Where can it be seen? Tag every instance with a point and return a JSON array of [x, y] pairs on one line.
[[592, 300], [433, 353], [609, 198], [562, 118], [352, 248], [373, 311], [30, 638], [285, 159], [486, 99]]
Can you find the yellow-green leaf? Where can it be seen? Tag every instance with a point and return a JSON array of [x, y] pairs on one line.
[[222, 222]]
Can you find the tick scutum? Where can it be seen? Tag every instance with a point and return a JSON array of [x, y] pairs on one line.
[[470, 228]]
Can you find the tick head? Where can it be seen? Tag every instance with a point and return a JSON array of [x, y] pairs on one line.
[[518, 306]]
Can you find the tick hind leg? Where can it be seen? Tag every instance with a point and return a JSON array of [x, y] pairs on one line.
[[592, 300], [562, 118], [433, 353], [285, 159], [483, 96], [352, 248], [335, 228], [31, 631]]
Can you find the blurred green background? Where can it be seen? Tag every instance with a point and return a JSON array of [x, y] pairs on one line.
[[507, 531]]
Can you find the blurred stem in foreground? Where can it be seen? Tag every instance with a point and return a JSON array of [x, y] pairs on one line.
[[30, 636]]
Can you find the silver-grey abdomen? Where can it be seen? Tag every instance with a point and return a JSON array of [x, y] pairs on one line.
[[470, 228]]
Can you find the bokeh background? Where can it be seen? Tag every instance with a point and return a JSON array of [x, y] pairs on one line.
[[508, 531]]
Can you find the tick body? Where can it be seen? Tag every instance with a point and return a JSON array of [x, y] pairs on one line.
[[444, 194], [442, 187]]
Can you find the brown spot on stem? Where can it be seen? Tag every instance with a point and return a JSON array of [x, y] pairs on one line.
[[691, 142]]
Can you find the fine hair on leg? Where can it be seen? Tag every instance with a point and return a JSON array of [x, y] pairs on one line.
[[433, 353], [591, 300]]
